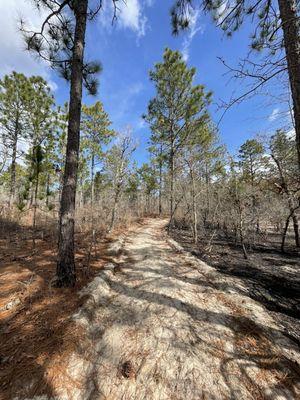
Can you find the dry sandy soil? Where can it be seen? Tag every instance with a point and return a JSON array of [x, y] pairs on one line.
[[157, 323]]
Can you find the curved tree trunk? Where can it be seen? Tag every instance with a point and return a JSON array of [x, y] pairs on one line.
[[66, 261], [291, 34]]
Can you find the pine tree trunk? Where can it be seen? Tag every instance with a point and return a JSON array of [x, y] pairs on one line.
[[92, 180], [14, 158], [195, 222], [113, 213], [35, 204], [195, 216], [286, 190], [92, 200], [291, 34], [13, 172], [47, 189], [207, 212], [171, 189], [66, 275], [284, 233], [296, 229], [160, 189]]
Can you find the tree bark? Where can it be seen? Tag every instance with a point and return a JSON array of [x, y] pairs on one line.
[[114, 210], [194, 208], [66, 275], [291, 34], [171, 188], [47, 189], [35, 203], [92, 180], [286, 226], [13, 159], [195, 221], [291, 206], [207, 211], [160, 187], [13, 172], [296, 229]]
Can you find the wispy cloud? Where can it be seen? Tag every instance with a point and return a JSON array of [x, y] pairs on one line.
[[274, 115], [194, 27], [12, 49], [130, 15]]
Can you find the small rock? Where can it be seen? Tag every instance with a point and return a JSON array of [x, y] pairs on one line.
[[127, 370]]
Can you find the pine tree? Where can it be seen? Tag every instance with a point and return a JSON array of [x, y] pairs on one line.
[[40, 110], [61, 132], [14, 97], [177, 110], [149, 182], [203, 157], [61, 41], [270, 18], [158, 161], [40, 119], [284, 156], [50, 177], [95, 125], [252, 163], [35, 159]]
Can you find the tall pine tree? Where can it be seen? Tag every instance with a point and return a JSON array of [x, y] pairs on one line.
[[14, 97], [178, 109], [61, 42], [95, 132], [276, 26]]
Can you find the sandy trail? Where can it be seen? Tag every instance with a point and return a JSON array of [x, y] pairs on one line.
[[163, 325]]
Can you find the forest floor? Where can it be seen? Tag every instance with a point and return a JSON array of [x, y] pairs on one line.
[[155, 322], [268, 276]]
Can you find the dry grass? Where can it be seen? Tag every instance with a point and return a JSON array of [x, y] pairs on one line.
[[37, 333]]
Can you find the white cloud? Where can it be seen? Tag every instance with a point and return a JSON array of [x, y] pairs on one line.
[[12, 49], [194, 27], [130, 15], [274, 115]]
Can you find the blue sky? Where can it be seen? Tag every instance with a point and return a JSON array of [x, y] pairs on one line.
[[130, 48]]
